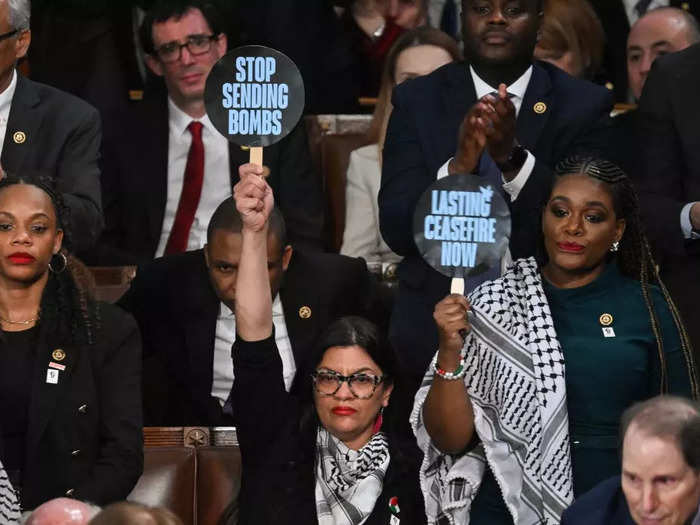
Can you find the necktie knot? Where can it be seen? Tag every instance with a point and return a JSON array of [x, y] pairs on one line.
[[195, 128]]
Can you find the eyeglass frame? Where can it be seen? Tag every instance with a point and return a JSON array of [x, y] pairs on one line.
[[346, 379], [209, 38], [9, 34]]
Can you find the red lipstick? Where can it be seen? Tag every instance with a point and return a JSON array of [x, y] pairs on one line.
[[572, 247], [343, 411], [21, 258]]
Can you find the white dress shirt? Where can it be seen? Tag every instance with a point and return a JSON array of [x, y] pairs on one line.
[[217, 176], [517, 91], [224, 339], [5, 105], [632, 12]]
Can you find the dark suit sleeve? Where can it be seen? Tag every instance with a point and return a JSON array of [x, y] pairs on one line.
[[661, 185], [78, 176], [405, 176], [118, 378], [299, 194]]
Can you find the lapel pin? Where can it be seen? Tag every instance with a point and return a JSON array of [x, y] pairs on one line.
[[540, 108], [245, 148], [606, 319], [136, 94], [685, 6], [19, 137], [58, 354], [57, 366], [305, 312], [52, 376]]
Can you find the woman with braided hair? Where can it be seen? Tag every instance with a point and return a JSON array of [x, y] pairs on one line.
[[70, 379], [519, 411]]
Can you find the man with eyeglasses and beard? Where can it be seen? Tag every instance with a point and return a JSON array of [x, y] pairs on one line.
[[166, 170]]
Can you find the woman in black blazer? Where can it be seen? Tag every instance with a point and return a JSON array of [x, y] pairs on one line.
[[320, 453], [70, 380]]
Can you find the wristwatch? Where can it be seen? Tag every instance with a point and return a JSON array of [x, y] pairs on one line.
[[515, 160]]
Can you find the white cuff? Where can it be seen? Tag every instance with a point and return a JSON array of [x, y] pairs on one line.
[[686, 225], [513, 187]]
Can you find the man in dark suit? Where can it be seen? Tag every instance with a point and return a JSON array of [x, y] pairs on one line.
[[158, 195], [545, 116], [669, 113], [617, 16], [45, 130], [184, 305], [660, 481]]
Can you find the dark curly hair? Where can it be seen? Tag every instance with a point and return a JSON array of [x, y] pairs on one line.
[[68, 299], [634, 257]]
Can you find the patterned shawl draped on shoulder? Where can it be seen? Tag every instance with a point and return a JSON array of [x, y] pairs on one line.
[[515, 380]]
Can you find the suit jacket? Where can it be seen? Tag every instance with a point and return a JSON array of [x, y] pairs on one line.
[[61, 139], [135, 179], [84, 437], [670, 154], [605, 504], [422, 136], [178, 325]]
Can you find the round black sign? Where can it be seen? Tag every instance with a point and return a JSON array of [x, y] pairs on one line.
[[254, 95], [461, 226]]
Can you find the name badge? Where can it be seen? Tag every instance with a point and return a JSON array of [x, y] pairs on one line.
[[608, 331], [52, 376]]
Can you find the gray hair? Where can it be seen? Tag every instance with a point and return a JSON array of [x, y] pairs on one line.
[[663, 416], [19, 13]]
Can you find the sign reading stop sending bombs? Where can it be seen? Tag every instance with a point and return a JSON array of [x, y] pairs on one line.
[[462, 226], [254, 96]]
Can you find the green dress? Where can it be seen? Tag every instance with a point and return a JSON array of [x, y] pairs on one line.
[[604, 375]]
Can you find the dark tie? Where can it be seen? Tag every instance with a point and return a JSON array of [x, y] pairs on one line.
[[641, 7], [191, 191], [448, 19]]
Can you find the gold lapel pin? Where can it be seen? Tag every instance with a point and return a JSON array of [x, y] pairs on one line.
[[245, 148], [58, 354], [305, 312], [685, 6], [540, 108], [19, 137], [606, 319]]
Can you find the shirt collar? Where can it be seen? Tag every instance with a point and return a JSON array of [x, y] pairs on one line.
[[277, 306], [6, 96], [517, 88], [179, 120]]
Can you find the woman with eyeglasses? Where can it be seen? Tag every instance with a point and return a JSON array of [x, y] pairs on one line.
[[319, 454]]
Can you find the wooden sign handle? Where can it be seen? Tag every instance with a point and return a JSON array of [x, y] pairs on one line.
[[256, 156], [457, 285]]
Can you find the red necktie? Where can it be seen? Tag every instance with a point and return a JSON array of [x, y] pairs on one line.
[[191, 191]]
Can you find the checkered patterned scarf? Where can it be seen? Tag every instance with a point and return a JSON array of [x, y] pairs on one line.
[[9, 505], [348, 482], [515, 379]]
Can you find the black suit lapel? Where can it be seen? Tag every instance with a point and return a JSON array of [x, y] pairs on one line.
[[458, 96], [155, 162], [535, 109], [45, 394], [302, 309], [23, 126]]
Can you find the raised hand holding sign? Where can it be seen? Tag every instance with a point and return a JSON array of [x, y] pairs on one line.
[[254, 96]]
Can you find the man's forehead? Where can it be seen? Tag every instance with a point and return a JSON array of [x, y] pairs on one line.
[[657, 27]]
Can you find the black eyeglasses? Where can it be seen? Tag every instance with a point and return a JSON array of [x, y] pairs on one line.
[[196, 45], [9, 34], [361, 385]]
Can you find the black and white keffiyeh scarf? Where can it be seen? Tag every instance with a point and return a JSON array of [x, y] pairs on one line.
[[515, 379], [9, 504], [348, 482]]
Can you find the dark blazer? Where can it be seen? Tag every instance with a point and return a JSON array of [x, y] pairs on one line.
[[61, 139], [670, 154], [422, 136], [605, 504], [84, 437], [176, 308], [135, 179], [278, 459]]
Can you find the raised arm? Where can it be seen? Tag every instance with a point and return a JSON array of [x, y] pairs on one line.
[[254, 201], [447, 412]]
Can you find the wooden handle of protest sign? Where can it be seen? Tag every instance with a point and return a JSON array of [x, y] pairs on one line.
[[457, 285], [256, 156]]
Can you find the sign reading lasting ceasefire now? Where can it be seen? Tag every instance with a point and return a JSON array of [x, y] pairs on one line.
[[461, 226], [254, 96]]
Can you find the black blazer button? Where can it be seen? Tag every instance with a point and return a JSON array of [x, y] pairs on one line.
[[82, 409], [75, 452]]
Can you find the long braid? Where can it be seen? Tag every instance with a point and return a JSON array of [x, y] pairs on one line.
[[634, 257]]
